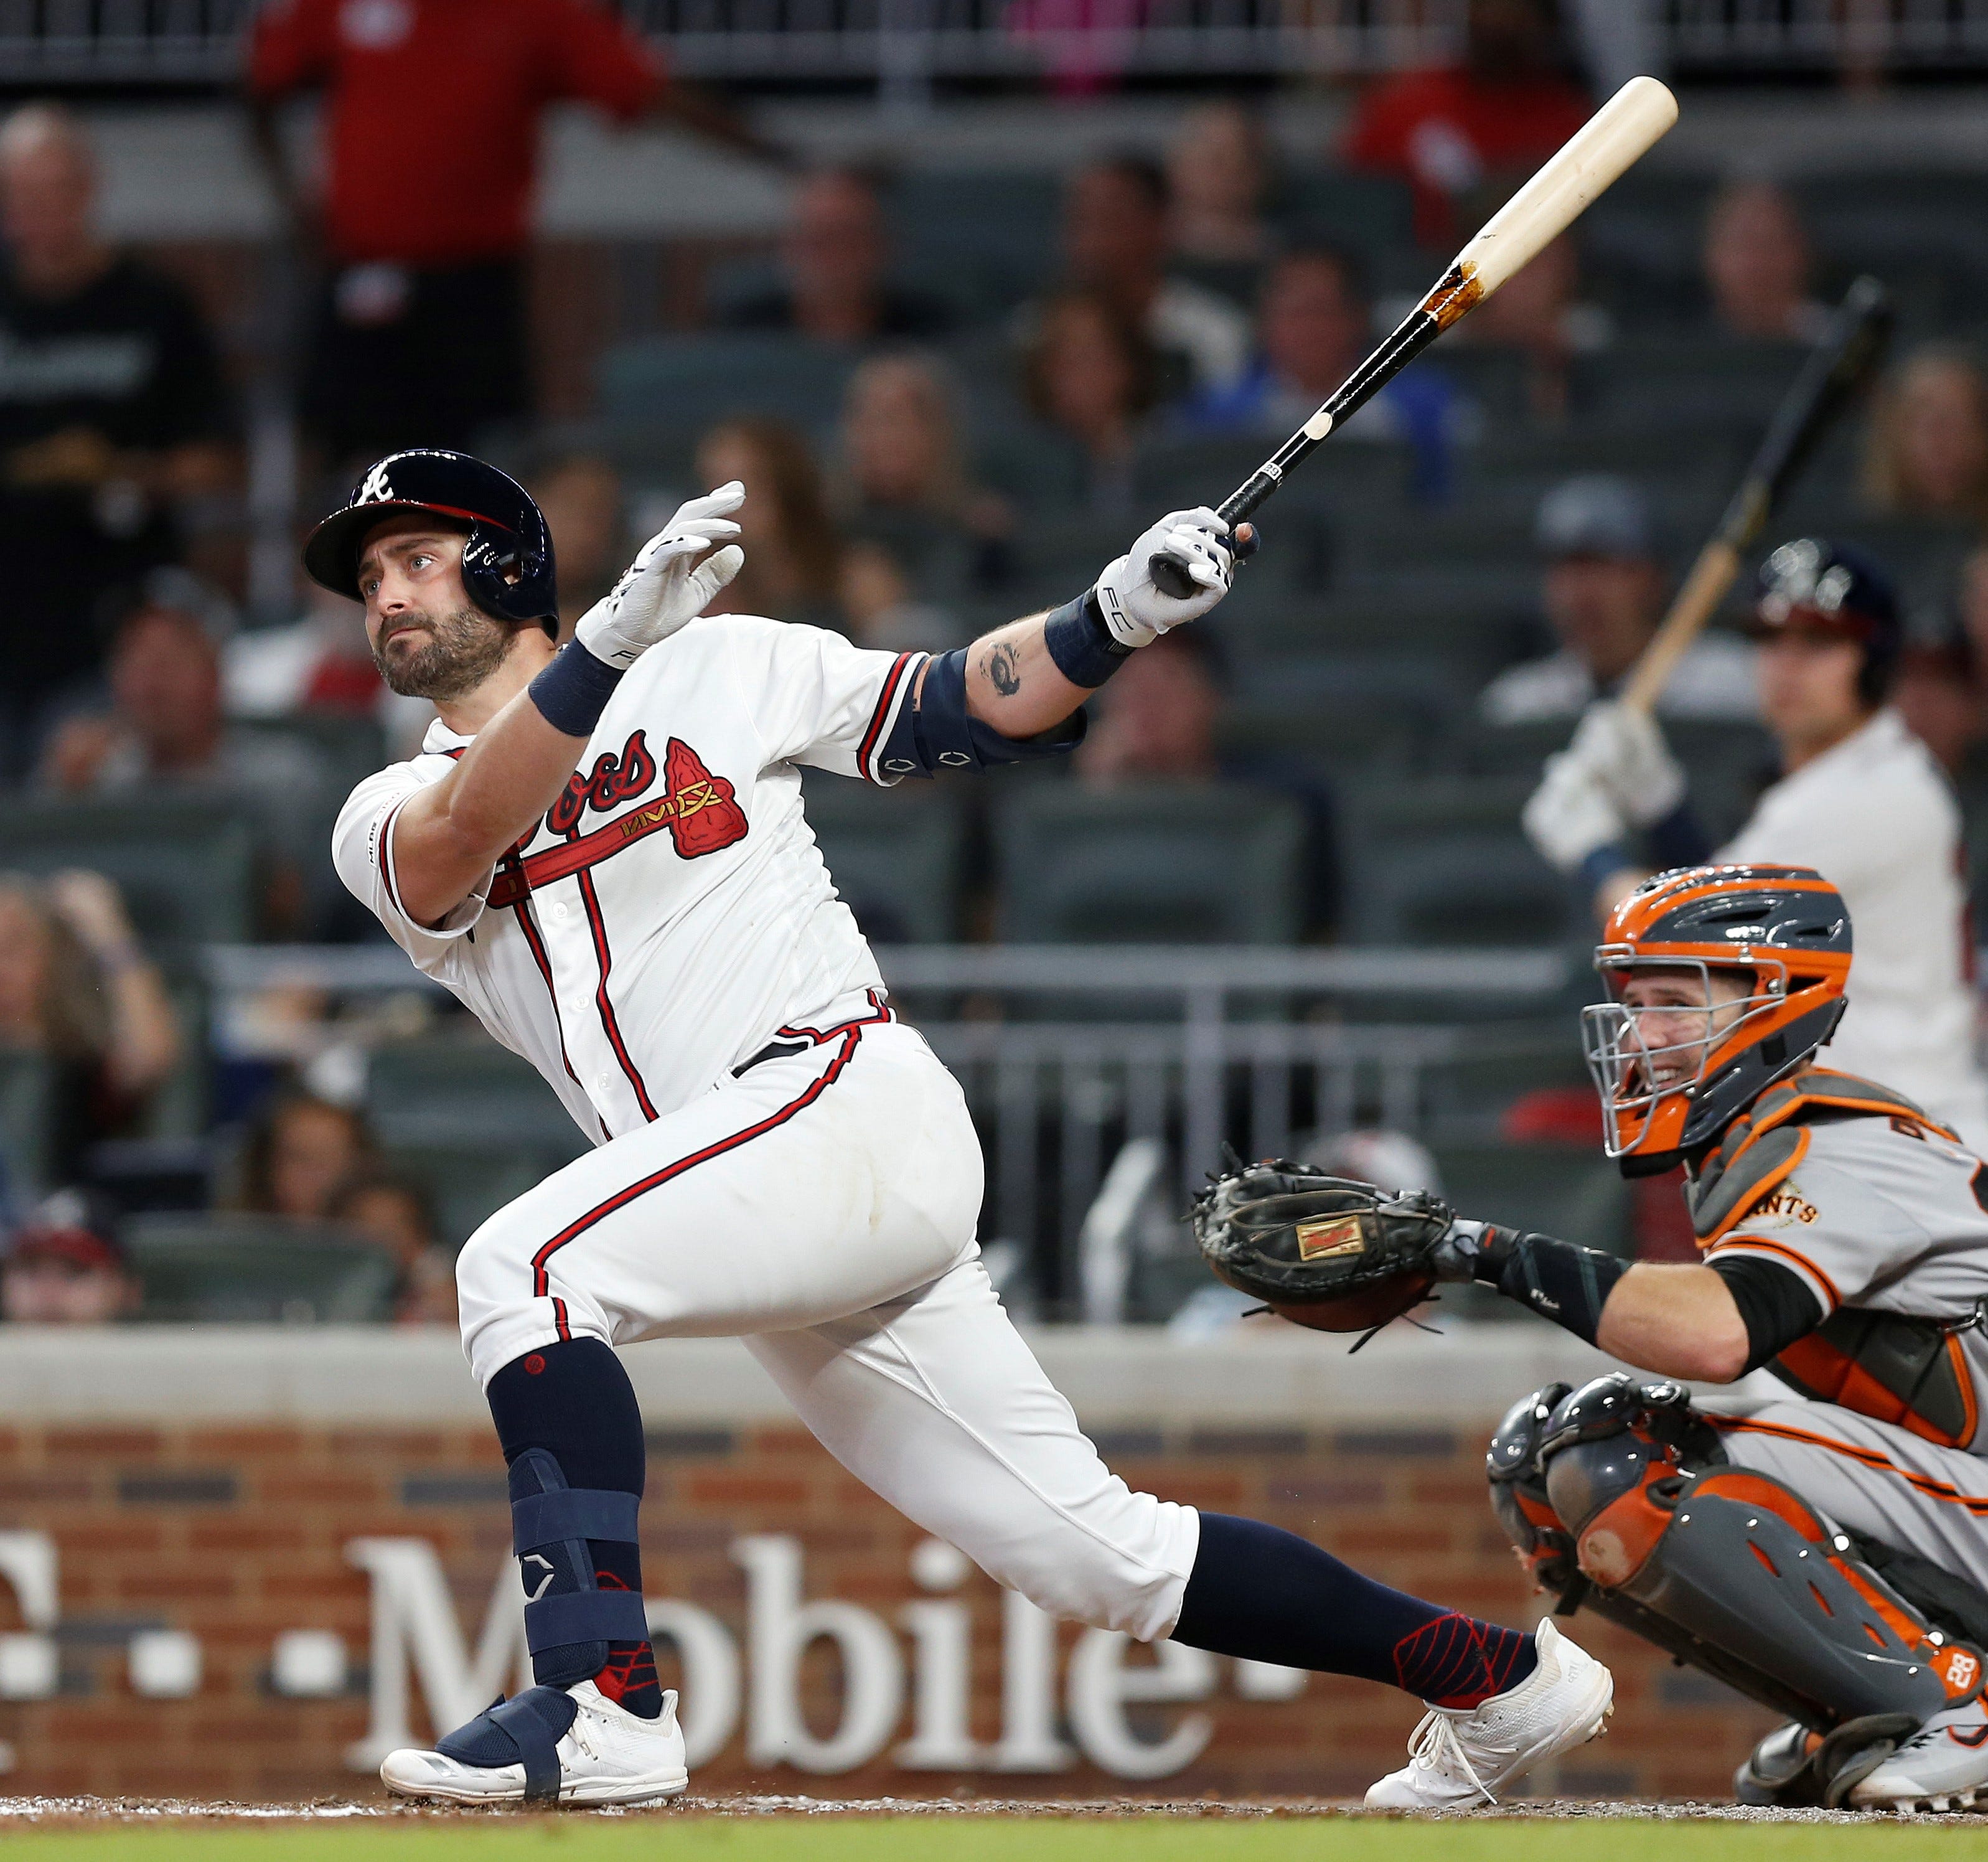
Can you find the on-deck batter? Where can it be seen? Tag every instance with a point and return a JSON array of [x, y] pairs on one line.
[[602, 851], [1860, 800]]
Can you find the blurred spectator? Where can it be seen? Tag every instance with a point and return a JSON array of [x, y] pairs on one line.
[[906, 485], [1376, 1154], [431, 140], [1603, 590], [1539, 313], [65, 1266], [1156, 721], [165, 738], [1089, 372], [1757, 266], [1116, 238], [112, 412], [1313, 328], [394, 1213], [1217, 176], [1938, 694], [1928, 449], [793, 554], [319, 663], [581, 497], [1482, 125], [299, 1152], [76, 988], [835, 255]]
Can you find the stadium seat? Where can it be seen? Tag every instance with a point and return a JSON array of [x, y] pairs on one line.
[[186, 871], [468, 1183], [1162, 864], [457, 1090], [258, 1269], [1566, 1190], [1444, 861], [992, 233], [893, 854], [1367, 215], [679, 385], [27, 1117]]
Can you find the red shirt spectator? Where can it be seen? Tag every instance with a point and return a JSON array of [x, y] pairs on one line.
[[1497, 115], [432, 107]]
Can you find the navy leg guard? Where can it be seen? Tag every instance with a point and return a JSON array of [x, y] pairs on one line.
[[570, 1620], [525, 1731]]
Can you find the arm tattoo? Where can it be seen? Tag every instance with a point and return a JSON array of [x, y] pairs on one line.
[[1001, 670]]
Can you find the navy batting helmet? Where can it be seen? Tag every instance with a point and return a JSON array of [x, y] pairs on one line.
[[507, 564], [1815, 585]]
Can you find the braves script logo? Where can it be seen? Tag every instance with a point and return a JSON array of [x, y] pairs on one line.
[[701, 810], [376, 490], [612, 780]]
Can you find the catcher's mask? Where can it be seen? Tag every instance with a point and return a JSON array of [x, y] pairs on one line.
[[1678, 1064]]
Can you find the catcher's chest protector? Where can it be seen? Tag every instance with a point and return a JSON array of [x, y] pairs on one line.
[[1908, 1372]]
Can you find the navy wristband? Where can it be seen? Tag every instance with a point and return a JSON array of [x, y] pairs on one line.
[[573, 691], [1602, 865], [1080, 644]]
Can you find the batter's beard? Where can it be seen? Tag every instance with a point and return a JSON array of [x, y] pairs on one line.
[[461, 652]]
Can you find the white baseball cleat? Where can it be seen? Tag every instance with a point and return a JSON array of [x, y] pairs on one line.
[[1943, 1766], [606, 1755], [1460, 1756]]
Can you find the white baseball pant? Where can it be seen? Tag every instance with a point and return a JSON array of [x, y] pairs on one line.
[[823, 1205]]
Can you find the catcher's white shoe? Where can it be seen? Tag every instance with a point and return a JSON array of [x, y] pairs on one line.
[[603, 1754], [1943, 1766], [1460, 1756]]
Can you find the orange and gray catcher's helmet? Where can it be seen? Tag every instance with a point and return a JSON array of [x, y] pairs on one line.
[[1784, 930]]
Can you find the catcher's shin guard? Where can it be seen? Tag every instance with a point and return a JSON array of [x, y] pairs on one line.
[[1750, 1582], [570, 1620]]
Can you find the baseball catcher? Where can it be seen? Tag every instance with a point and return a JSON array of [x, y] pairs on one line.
[[1825, 1553]]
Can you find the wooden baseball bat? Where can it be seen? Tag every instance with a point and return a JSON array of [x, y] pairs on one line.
[[1591, 160], [1845, 358]]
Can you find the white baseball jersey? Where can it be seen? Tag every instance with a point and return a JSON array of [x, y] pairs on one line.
[[1876, 818], [670, 920], [672, 911]]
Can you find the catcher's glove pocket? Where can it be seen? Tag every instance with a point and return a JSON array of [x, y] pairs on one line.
[[1321, 1250]]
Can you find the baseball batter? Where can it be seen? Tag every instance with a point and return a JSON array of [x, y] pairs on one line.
[[1827, 1553], [602, 852], [1862, 799]]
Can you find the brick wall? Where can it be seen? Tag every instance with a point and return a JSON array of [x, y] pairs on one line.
[[235, 1534]]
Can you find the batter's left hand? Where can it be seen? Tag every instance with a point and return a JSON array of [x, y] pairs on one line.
[[1136, 611], [673, 580]]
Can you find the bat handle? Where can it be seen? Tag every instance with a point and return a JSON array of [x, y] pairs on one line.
[[1169, 569]]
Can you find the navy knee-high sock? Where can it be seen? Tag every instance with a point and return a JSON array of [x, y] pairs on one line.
[[574, 1400], [1259, 1592]]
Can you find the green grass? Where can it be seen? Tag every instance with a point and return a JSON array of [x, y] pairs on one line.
[[996, 1840]]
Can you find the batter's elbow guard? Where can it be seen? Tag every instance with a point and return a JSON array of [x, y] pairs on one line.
[[940, 732]]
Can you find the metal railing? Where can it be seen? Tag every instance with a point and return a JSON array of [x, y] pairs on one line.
[[1069, 1054], [902, 45]]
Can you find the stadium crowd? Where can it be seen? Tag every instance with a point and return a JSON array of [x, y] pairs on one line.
[[949, 400]]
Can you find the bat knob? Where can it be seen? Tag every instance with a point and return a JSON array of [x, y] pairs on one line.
[[1169, 575]]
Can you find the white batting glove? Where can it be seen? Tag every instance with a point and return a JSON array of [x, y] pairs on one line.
[[1571, 814], [1625, 748], [667, 585], [1137, 611]]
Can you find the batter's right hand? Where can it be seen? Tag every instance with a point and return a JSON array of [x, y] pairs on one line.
[[673, 580], [1571, 814]]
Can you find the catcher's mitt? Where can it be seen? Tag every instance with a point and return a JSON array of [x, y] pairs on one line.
[[1323, 1251]]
